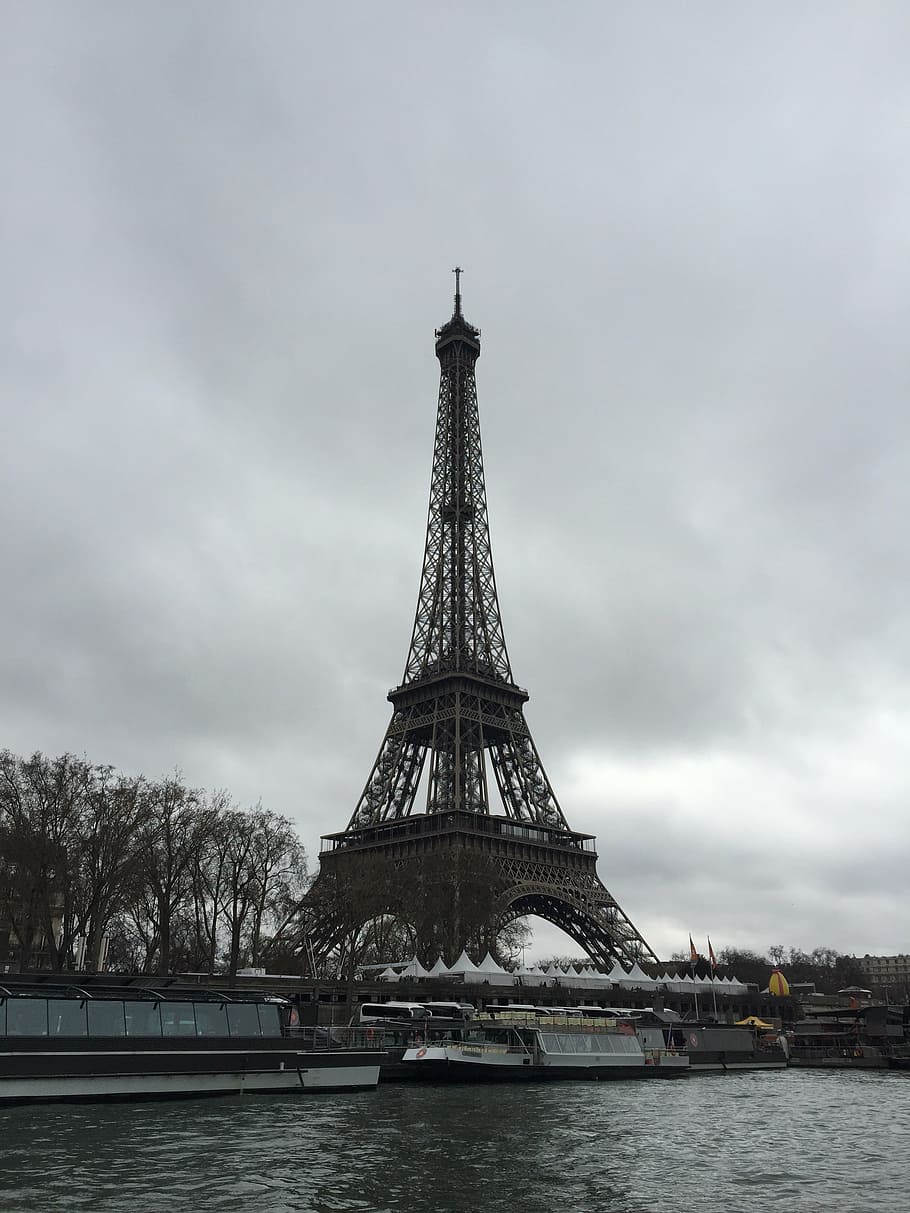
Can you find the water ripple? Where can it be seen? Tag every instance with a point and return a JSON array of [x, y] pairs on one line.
[[794, 1140]]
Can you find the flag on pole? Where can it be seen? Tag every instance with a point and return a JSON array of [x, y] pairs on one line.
[[711, 955], [693, 955]]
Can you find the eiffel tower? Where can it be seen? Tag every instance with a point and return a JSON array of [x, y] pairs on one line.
[[459, 712]]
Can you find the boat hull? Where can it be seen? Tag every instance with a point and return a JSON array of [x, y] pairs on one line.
[[840, 1061], [734, 1065], [455, 1064], [34, 1072], [478, 1072]]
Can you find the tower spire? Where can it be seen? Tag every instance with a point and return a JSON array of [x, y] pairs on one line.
[[458, 271]]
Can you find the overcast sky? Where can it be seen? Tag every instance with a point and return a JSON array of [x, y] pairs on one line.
[[227, 235]]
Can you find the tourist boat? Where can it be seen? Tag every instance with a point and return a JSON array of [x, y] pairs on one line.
[[528, 1047], [67, 1043]]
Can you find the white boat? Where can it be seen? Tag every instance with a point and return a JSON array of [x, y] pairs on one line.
[[69, 1044], [527, 1047]]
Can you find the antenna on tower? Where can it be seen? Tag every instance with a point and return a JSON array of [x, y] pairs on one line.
[[457, 272]]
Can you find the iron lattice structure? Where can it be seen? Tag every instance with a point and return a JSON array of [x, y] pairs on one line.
[[458, 706]]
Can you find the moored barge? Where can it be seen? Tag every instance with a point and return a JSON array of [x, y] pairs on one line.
[[720, 1048], [69, 1044], [862, 1038]]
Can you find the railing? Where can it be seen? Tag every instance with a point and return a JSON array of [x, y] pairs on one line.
[[578, 1023], [322, 1038], [426, 824], [485, 1049]]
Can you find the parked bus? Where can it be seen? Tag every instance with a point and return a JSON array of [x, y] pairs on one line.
[[450, 1010], [393, 1013]]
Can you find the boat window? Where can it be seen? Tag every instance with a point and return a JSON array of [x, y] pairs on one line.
[[26, 1017], [105, 1017], [269, 1019], [2, 1016], [178, 1019], [66, 1017], [599, 1043], [142, 1018], [211, 1019], [623, 1044], [242, 1019]]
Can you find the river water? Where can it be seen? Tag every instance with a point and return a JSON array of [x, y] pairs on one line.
[[804, 1141]]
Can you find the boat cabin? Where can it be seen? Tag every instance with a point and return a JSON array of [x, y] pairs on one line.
[[76, 1013]]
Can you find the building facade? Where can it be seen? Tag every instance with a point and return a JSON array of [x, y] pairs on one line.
[[887, 972]]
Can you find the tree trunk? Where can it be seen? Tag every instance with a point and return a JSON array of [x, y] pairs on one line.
[[164, 940], [235, 946]]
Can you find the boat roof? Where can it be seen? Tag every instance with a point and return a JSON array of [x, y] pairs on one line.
[[166, 992]]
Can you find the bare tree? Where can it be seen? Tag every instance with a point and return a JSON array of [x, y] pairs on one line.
[[238, 890], [279, 863], [170, 874], [171, 834], [19, 901], [43, 803], [108, 855], [262, 867], [210, 873]]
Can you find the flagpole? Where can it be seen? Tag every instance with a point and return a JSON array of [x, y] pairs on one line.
[[693, 957], [713, 961], [695, 993]]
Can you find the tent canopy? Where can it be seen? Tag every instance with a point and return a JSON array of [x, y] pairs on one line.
[[414, 969], [464, 964], [490, 965]]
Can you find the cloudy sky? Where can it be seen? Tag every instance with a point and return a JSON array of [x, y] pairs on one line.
[[227, 234]]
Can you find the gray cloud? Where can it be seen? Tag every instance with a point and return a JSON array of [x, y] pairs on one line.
[[226, 239]]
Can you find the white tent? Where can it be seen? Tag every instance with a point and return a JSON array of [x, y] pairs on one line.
[[533, 976], [588, 979], [464, 967], [413, 969], [439, 968], [489, 965], [491, 971], [681, 983], [617, 973], [600, 980], [388, 974], [636, 978]]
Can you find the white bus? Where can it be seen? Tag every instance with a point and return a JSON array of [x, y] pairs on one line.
[[393, 1013]]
